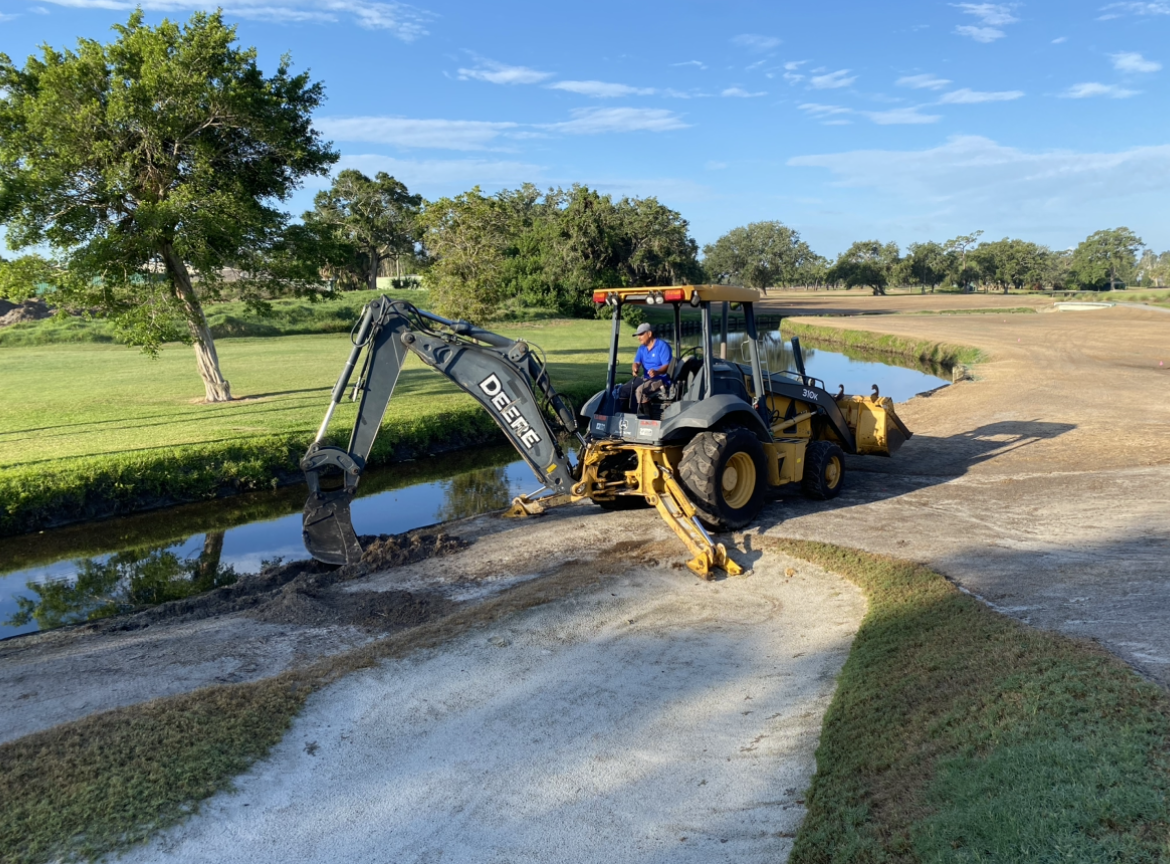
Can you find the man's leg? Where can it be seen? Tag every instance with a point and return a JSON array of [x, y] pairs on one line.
[[624, 392], [651, 385]]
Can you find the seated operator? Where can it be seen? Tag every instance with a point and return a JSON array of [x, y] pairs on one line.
[[653, 357]]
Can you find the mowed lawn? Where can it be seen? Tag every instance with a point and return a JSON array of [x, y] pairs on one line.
[[87, 400]]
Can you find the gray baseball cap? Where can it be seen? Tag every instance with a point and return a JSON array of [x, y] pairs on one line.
[[644, 327]]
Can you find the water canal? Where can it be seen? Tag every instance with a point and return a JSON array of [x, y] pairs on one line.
[[72, 574]]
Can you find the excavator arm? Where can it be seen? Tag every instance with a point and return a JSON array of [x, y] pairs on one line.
[[504, 375]]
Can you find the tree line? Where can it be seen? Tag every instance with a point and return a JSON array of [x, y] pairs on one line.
[[154, 167]]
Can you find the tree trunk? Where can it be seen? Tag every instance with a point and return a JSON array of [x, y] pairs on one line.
[[216, 387], [375, 261], [212, 550]]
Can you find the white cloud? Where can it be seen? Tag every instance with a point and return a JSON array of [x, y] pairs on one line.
[[446, 174], [601, 89], [901, 117], [832, 80], [1155, 8], [838, 122], [980, 34], [1059, 40], [406, 132], [741, 93], [690, 63], [985, 181], [715, 166], [974, 97], [816, 109], [594, 121], [755, 42], [793, 65], [923, 82], [1092, 88], [500, 73], [992, 14], [405, 22], [38, 10], [5, 17], [1132, 61]]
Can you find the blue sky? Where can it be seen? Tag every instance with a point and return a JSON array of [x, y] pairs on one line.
[[846, 120]]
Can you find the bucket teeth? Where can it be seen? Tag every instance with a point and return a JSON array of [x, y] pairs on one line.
[[328, 530]]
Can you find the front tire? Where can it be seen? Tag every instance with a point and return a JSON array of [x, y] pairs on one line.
[[724, 474], [824, 470]]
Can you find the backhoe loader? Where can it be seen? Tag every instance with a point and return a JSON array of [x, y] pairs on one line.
[[705, 452]]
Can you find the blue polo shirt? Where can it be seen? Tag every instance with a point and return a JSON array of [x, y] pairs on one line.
[[654, 358]]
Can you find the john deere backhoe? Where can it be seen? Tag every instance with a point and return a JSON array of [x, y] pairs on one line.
[[705, 452]]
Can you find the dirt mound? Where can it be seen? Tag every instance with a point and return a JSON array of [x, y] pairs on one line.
[[309, 593], [29, 310], [394, 550]]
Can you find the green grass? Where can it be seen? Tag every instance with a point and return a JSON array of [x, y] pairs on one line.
[[960, 735], [93, 430], [939, 353], [231, 319]]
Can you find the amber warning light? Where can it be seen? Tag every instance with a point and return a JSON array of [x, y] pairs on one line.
[[673, 296], [598, 296]]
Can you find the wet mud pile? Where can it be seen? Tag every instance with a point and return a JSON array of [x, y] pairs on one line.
[[310, 593]]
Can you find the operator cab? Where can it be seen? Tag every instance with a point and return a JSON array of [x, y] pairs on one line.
[[705, 388]]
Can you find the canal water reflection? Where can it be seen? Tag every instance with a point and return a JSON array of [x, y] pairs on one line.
[[86, 572]]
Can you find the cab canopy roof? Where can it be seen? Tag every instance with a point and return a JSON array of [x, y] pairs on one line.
[[692, 294]]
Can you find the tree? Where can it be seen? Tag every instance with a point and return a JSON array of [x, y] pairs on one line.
[[150, 164], [956, 250], [1153, 270], [467, 236], [22, 277], [757, 255], [551, 250], [1009, 263], [377, 219], [1105, 258], [867, 263], [926, 264]]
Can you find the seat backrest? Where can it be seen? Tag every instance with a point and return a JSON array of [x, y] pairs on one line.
[[689, 368]]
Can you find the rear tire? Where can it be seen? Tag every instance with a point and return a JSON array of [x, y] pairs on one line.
[[824, 470], [724, 474]]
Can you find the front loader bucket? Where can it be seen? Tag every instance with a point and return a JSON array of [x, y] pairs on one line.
[[328, 530], [876, 426]]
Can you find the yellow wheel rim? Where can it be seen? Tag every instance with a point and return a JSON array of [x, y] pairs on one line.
[[739, 480], [833, 473]]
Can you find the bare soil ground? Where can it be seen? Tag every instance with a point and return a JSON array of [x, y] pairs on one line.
[[642, 716], [1043, 486]]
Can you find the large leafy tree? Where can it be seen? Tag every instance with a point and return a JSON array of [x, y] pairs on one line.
[[376, 219], [867, 263], [467, 237], [926, 264], [758, 255], [550, 249], [152, 163], [1105, 258], [1010, 263]]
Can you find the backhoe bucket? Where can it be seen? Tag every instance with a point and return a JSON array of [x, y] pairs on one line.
[[328, 530]]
